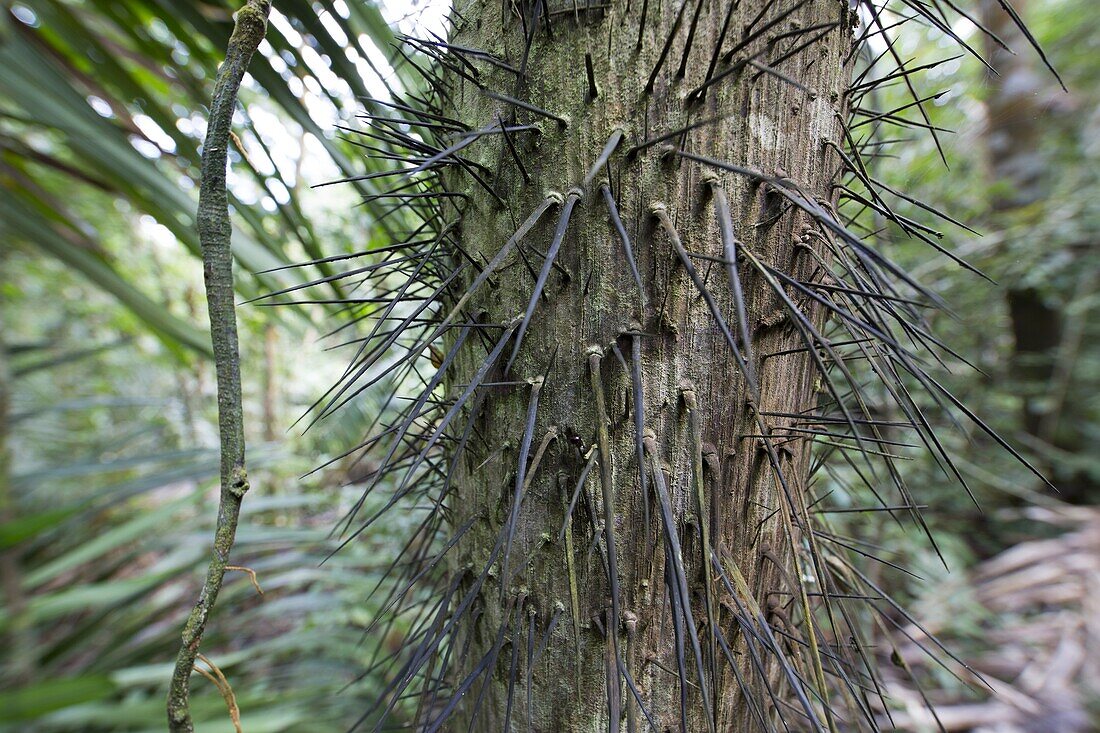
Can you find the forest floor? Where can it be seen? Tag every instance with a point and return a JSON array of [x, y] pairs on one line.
[[1032, 660]]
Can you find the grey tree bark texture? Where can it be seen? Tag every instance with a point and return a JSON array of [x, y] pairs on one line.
[[629, 386]]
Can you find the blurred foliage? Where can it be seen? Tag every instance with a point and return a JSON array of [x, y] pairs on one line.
[[1051, 246], [110, 526], [104, 110], [106, 504]]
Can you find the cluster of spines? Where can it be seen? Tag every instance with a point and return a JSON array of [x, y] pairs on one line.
[[873, 349]]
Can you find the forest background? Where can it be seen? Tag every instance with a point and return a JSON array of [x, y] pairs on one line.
[[107, 419]]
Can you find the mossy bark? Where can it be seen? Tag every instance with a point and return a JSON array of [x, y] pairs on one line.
[[215, 234], [592, 314]]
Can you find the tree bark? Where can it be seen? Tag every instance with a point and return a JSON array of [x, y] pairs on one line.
[[613, 381]]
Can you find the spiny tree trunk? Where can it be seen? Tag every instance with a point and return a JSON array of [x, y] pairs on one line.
[[627, 385], [640, 306]]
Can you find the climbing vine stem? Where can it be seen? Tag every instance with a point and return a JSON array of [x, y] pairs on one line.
[[215, 232]]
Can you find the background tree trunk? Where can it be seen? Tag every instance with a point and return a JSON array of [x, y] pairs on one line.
[[1020, 172], [592, 334]]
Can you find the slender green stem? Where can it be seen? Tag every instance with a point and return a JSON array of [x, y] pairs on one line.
[[215, 232]]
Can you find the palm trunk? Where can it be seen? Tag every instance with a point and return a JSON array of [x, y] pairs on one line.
[[635, 394]]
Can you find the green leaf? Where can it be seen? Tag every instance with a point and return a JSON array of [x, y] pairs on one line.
[[23, 528], [34, 701]]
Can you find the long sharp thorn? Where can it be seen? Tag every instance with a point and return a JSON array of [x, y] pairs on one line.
[[676, 576], [576, 493], [551, 255], [521, 476], [570, 566], [603, 441], [593, 90], [632, 152], [665, 49], [729, 251], [1007, 7], [702, 509], [638, 395], [617, 222], [601, 161], [690, 40], [641, 23], [660, 212], [527, 106]]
